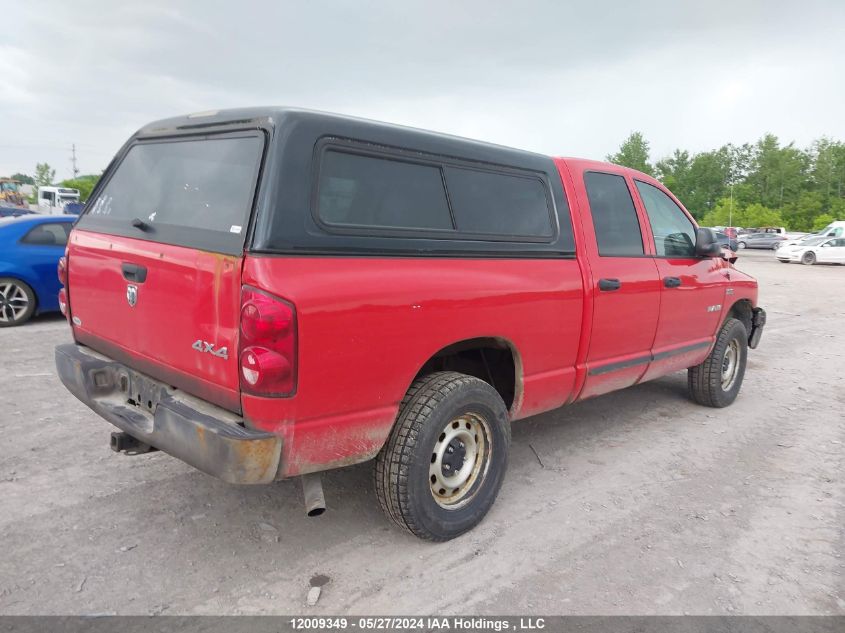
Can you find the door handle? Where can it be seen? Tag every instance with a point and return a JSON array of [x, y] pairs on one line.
[[609, 284], [671, 282], [134, 272]]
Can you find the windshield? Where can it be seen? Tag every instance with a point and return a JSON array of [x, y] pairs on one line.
[[194, 193], [813, 240], [832, 231]]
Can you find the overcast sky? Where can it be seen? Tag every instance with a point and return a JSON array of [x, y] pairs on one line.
[[556, 77]]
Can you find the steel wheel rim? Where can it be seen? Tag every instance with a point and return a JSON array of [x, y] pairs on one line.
[[13, 302], [809, 258], [730, 365], [468, 436]]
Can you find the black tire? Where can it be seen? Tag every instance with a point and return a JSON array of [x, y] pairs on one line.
[[706, 381], [403, 477], [808, 258], [741, 245], [17, 302]]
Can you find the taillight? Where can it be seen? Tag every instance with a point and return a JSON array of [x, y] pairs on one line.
[[267, 358], [63, 296], [62, 271]]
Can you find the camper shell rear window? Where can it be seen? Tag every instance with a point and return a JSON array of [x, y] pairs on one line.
[[192, 191]]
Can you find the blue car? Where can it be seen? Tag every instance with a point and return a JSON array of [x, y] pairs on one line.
[[30, 248], [12, 212]]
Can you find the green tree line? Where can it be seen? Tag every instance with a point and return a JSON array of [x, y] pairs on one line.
[[766, 183]]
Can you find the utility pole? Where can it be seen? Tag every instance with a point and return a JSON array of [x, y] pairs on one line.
[[73, 160], [731, 208]]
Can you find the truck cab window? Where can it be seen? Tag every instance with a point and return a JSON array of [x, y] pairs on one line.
[[614, 216], [674, 234]]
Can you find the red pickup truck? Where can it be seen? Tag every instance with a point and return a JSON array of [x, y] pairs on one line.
[[270, 293]]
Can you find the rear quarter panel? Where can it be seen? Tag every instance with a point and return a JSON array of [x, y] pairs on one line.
[[367, 325]]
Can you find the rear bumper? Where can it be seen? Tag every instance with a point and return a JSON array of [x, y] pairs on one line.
[[758, 322], [203, 435]]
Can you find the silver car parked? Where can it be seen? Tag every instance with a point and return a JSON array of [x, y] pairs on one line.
[[770, 241]]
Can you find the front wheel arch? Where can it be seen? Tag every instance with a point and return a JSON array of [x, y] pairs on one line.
[[742, 310]]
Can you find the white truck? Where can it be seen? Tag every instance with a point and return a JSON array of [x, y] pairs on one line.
[[52, 200]]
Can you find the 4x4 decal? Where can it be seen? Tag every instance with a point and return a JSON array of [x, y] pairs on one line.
[[205, 346]]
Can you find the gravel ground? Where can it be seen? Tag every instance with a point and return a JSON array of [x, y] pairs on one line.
[[638, 502]]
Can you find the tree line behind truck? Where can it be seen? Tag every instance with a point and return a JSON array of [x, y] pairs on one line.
[[765, 183]]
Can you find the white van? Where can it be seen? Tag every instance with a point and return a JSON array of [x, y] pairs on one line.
[[52, 200], [834, 229]]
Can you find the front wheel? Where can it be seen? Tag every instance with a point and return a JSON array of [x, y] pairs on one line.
[[716, 381], [17, 302], [443, 464], [741, 245], [809, 258]]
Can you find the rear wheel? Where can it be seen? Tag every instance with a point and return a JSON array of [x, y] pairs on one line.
[[441, 469], [809, 258], [17, 302], [716, 381]]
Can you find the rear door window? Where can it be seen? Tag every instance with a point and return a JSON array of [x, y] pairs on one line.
[[195, 193], [614, 215], [674, 234]]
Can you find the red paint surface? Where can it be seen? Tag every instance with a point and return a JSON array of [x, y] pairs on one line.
[[367, 325]]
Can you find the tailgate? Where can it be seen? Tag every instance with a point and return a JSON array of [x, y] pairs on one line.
[[154, 265], [187, 300]]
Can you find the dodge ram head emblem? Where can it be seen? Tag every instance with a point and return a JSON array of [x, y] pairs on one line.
[[132, 295]]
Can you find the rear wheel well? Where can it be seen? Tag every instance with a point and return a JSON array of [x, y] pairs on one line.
[[743, 311], [493, 360]]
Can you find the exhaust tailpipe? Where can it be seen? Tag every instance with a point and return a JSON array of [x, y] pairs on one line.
[[312, 490]]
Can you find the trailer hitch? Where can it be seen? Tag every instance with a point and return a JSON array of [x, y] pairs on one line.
[[124, 443]]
